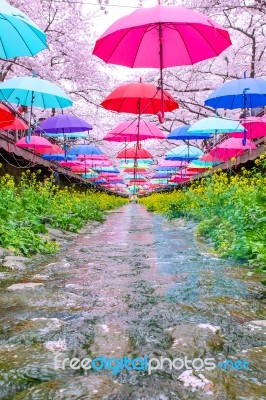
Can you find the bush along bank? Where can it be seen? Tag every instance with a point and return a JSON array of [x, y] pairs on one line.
[[28, 207], [230, 210]]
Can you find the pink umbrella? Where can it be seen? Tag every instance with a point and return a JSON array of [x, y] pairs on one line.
[[38, 143], [173, 164], [135, 130], [255, 126], [160, 37], [54, 149], [232, 147], [69, 163]]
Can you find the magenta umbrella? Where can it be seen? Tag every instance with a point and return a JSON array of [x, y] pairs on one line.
[[232, 147], [255, 126], [135, 130], [173, 163], [160, 37]]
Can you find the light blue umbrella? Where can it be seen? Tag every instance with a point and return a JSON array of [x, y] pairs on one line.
[[111, 170], [215, 125], [90, 175], [139, 161], [33, 91], [187, 153], [71, 135], [19, 36]]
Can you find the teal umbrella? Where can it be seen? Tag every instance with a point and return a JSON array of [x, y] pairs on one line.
[[215, 125], [71, 135], [187, 153], [19, 36], [33, 91]]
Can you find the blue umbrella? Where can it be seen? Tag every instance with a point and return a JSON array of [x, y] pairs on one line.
[[160, 175], [167, 170], [33, 91], [183, 133], [187, 153], [89, 175], [58, 157], [100, 181], [239, 93], [111, 170], [85, 149], [19, 36], [215, 125]]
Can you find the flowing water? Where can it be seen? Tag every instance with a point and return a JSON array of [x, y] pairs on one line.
[[137, 285]]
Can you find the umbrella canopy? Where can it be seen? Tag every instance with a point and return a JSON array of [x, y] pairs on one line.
[[139, 98], [135, 153], [54, 149], [161, 36], [166, 170], [63, 123], [160, 175], [34, 91], [134, 130], [182, 133], [70, 135], [17, 124], [58, 157], [70, 163], [239, 93], [38, 143], [85, 149], [172, 163], [216, 125], [93, 157], [198, 165], [19, 36], [6, 117], [232, 147], [91, 174], [138, 170], [255, 126], [110, 169], [184, 153], [139, 165]]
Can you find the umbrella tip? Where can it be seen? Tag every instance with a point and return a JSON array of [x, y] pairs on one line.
[[140, 80]]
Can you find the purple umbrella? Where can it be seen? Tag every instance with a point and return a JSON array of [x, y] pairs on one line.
[[161, 175], [63, 123]]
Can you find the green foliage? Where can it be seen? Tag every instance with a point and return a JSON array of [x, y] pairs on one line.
[[25, 210], [230, 210]]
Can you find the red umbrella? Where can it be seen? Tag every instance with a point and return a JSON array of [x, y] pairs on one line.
[[255, 126], [38, 143], [139, 98], [54, 149], [92, 157], [134, 152], [16, 125], [6, 117], [138, 170]]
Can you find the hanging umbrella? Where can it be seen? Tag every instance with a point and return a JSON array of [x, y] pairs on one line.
[[139, 98], [139, 170], [135, 153], [54, 149], [255, 126], [182, 133], [6, 117], [160, 175], [186, 153], [85, 149], [17, 124], [160, 37], [70, 135], [215, 125], [239, 93], [58, 157], [38, 143], [63, 123], [102, 157], [70, 163], [19, 36], [33, 91], [200, 165], [110, 169], [134, 130], [90, 175], [232, 147], [172, 163]]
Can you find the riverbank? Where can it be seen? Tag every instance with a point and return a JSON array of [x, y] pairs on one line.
[[31, 209], [230, 211]]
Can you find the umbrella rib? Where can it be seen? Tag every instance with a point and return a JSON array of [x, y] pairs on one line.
[[209, 43], [23, 38], [175, 28], [141, 42]]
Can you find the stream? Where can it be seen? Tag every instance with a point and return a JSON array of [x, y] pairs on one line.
[[139, 286]]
